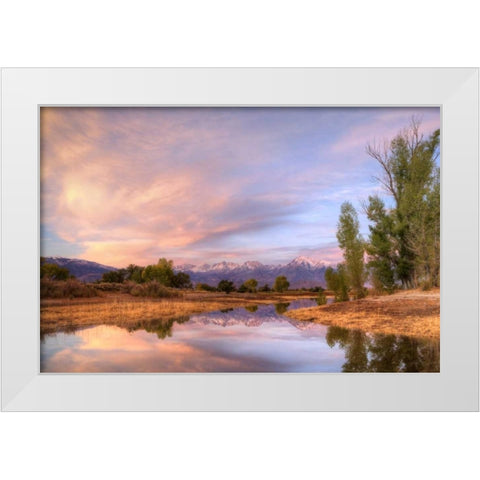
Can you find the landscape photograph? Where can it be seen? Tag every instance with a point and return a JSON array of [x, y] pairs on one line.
[[239, 239]]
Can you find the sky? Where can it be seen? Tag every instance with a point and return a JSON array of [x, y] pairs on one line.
[[122, 185]]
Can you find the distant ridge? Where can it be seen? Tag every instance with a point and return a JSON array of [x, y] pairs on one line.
[[84, 270], [301, 272]]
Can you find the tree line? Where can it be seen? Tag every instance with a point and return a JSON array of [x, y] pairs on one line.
[[163, 273], [403, 246]]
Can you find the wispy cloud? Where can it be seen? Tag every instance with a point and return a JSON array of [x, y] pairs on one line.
[[123, 185]]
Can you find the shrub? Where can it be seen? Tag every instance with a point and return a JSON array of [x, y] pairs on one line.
[[53, 272], [152, 289], [113, 287], [70, 288], [205, 287]]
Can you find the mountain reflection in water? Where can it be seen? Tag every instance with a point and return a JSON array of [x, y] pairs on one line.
[[253, 339]]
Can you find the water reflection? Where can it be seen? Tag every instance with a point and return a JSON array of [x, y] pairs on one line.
[[163, 328], [258, 339], [281, 308], [384, 353]]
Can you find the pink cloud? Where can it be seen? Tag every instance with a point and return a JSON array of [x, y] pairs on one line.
[[130, 186]]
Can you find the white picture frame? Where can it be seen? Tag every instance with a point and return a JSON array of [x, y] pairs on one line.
[[455, 388]]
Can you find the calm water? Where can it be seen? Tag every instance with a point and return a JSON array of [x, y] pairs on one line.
[[253, 339]]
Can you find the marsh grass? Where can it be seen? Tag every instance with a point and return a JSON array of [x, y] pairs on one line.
[[125, 310], [414, 313]]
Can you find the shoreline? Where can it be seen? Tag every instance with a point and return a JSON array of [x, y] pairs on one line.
[[413, 313], [126, 310]]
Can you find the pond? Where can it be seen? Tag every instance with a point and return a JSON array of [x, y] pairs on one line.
[[251, 339]]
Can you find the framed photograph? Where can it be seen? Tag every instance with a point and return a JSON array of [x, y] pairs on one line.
[[240, 239]]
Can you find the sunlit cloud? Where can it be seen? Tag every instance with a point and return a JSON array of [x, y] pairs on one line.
[[130, 185]]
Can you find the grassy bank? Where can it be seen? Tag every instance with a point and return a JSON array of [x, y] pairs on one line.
[[413, 313], [126, 310]]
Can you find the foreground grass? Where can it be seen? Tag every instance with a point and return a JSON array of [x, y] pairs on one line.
[[126, 311], [412, 313]]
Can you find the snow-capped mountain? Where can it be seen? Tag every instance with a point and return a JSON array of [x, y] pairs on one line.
[[305, 262], [300, 272]]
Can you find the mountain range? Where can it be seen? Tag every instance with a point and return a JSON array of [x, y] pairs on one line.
[[300, 272]]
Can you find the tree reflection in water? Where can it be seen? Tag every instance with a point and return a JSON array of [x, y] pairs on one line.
[[163, 328], [384, 353], [281, 308]]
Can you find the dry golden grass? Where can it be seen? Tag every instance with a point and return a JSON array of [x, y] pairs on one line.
[[125, 310], [413, 313]]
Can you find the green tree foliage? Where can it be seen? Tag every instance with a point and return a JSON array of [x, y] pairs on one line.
[[353, 246], [281, 284], [337, 282], [52, 271], [181, 280], [250, 285], [265, 288], [134, 273], [114, 276], [162, 272], [409, 175], [321, 298], [226, 286], [382, 255]]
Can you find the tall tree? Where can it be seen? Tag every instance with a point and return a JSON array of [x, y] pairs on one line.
[[337, 282], [382, 257], [352, 244], [410, 176]]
